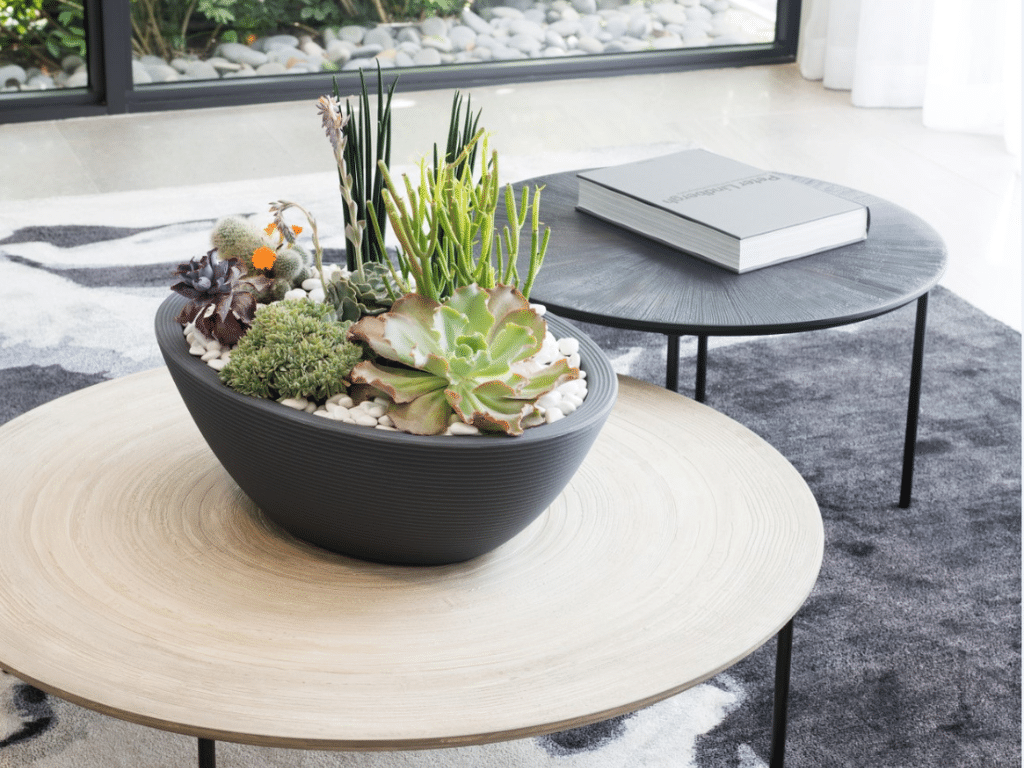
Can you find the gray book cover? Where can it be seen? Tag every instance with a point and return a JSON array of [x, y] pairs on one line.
[[732, 197]]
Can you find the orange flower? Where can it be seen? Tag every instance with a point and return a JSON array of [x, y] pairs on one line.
[[263, 258], [296, 229], [269, 229]]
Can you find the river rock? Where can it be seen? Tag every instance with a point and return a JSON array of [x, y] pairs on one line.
[[339, 51], [353, 33], [12, 74], [271, 68], [78, 79], [427, 57], [409, 35], [526, 27], [462, 38], [72, 62], [268, 44], [528, 44], [366, 51], [667, 41], [242, 54], [639, 26], [590, 44], [379, 36], [222, 65], [441, 44], [506, 12], [139, 74], [201, 70], [475, 22], [565, 27], [432, 26], [585, 6]]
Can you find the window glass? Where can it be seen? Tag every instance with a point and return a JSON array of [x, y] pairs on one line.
[[177, 40], [42, 45]]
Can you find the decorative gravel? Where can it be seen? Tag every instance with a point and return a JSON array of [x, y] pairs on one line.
[[554, 405]]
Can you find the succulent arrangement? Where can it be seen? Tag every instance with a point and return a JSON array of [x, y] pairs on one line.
[[434, 336]]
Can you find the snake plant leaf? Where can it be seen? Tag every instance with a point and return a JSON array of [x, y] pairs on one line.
[[470, 356]]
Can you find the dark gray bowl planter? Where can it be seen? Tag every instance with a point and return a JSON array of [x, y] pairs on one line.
[[387, 496]]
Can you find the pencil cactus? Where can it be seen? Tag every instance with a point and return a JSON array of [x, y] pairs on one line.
[[469, 356]]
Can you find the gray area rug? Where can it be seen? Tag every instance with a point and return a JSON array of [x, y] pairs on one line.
[[907, 654]]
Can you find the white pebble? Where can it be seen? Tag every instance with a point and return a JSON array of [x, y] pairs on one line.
[[373, 409], [298, 403], [311, 408], [341, 399], [323, 413], [213, 346], [226, 356], [364, 420], [336, 411], [217, 364], [574, 360], [548, 400], [197, 349], [461, 428], [568, 346], [540, 309], [211, 354], [385, 421], [317, 295], [552, 415], [295, 293], [311, 284], [385, 427]]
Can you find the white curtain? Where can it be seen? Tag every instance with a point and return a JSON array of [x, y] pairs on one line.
[[959, 60]]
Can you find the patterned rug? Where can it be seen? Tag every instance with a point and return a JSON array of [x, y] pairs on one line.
[[908, 651]]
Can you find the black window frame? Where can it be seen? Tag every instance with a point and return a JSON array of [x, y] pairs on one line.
[[111, 91]]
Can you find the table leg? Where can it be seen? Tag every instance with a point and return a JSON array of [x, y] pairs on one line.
[[207, 753], [672, 366], [914, 401], [702, 369], [784, 653]]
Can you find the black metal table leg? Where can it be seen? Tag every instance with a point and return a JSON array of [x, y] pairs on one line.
[[700, 386], [914, 401], [672, 366], [782, 663], [207, 753]]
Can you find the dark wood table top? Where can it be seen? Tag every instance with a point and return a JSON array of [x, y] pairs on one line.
[[597, 272]]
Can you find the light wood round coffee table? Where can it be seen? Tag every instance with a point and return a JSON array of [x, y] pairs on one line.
[[137, 580]]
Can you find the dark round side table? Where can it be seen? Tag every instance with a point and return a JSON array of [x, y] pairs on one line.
[[599, 273]]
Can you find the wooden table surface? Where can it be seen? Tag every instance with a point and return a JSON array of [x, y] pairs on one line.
[[135, 579], [598, 272]]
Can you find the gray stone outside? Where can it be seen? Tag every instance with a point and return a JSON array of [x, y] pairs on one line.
[[515, 30]]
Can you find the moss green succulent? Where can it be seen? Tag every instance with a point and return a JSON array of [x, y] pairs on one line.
[[293, 349]]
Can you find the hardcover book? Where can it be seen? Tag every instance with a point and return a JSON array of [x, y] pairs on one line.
[[724, 211]]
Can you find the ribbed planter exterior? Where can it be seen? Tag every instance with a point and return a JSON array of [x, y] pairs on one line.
[[387, 496]]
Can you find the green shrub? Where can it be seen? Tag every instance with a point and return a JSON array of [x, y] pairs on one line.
[[293, 349]]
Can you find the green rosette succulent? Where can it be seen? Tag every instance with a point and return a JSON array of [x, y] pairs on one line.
[[469, 356], [356, 295]]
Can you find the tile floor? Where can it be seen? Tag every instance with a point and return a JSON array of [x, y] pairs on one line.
[[967, 186]]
